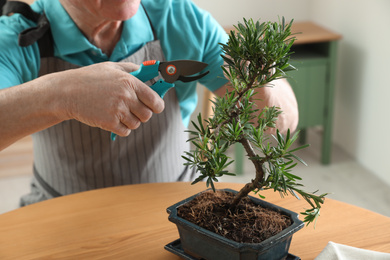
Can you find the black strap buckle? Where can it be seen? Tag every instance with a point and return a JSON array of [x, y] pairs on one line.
[[40, 33]]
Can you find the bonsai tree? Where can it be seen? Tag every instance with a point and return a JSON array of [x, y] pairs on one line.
[[255, 55]]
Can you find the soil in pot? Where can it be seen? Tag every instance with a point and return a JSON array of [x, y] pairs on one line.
[[246, 223]]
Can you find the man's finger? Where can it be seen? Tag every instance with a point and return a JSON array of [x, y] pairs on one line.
[[149, 97], [128, 66]]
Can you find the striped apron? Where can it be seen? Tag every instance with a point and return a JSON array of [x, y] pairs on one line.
[[72, 157]]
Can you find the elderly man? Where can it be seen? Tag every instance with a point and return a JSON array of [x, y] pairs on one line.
[[72, 97]]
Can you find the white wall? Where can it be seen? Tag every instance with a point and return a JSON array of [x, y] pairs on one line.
[[362, 122], [229, 12], [362, 91]]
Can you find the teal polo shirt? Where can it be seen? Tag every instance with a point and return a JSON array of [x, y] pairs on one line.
[[184, 30]]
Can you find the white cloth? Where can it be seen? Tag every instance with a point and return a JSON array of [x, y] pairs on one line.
[[334, 251]]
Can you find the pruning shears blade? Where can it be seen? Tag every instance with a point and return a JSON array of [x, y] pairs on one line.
[[172, 71]]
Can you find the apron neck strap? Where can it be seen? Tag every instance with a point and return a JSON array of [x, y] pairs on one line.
[[150, 22], [40, 33]]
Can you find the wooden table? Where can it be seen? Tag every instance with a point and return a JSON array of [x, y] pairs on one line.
[[130, 222]]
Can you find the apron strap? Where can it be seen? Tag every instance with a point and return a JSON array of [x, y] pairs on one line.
[[45, 185], [21, 8], [2, 3], [150, 22], [40, 33]]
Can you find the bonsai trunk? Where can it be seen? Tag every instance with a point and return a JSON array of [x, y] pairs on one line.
[[256, 182]]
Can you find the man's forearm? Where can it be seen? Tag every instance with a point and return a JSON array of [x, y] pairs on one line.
[[26, 109]]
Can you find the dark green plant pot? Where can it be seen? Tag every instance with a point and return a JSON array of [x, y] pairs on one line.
[[204, 244]]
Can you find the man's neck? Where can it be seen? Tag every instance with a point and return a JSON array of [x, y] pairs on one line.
[[106, 35], [101, 32]]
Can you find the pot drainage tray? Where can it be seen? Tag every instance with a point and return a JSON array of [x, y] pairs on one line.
[[175, 248]]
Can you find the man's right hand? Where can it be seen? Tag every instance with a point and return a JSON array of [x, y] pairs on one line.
[[105, 95]]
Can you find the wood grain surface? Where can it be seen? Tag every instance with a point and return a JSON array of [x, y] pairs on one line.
[[130, 222]]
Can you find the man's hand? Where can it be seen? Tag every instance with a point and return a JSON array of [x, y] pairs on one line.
[[105, 95]]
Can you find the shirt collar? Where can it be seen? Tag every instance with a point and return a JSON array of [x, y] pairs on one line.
[[68, 39]]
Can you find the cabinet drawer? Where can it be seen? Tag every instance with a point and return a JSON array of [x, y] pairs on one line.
[[309, 84]]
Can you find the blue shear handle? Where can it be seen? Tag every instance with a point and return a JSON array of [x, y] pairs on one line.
[[162, 87], [148, 72]]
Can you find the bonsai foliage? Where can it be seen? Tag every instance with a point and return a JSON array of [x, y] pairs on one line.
[[255, 55]]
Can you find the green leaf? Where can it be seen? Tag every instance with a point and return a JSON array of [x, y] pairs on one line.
[[298, 159], [299, 148], [211, 183], [228, 61], [200, 178]]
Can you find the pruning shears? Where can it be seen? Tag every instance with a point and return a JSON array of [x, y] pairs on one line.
[[170, 71]]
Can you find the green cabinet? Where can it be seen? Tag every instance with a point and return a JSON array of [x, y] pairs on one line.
[[313, 85], [309, 84]]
